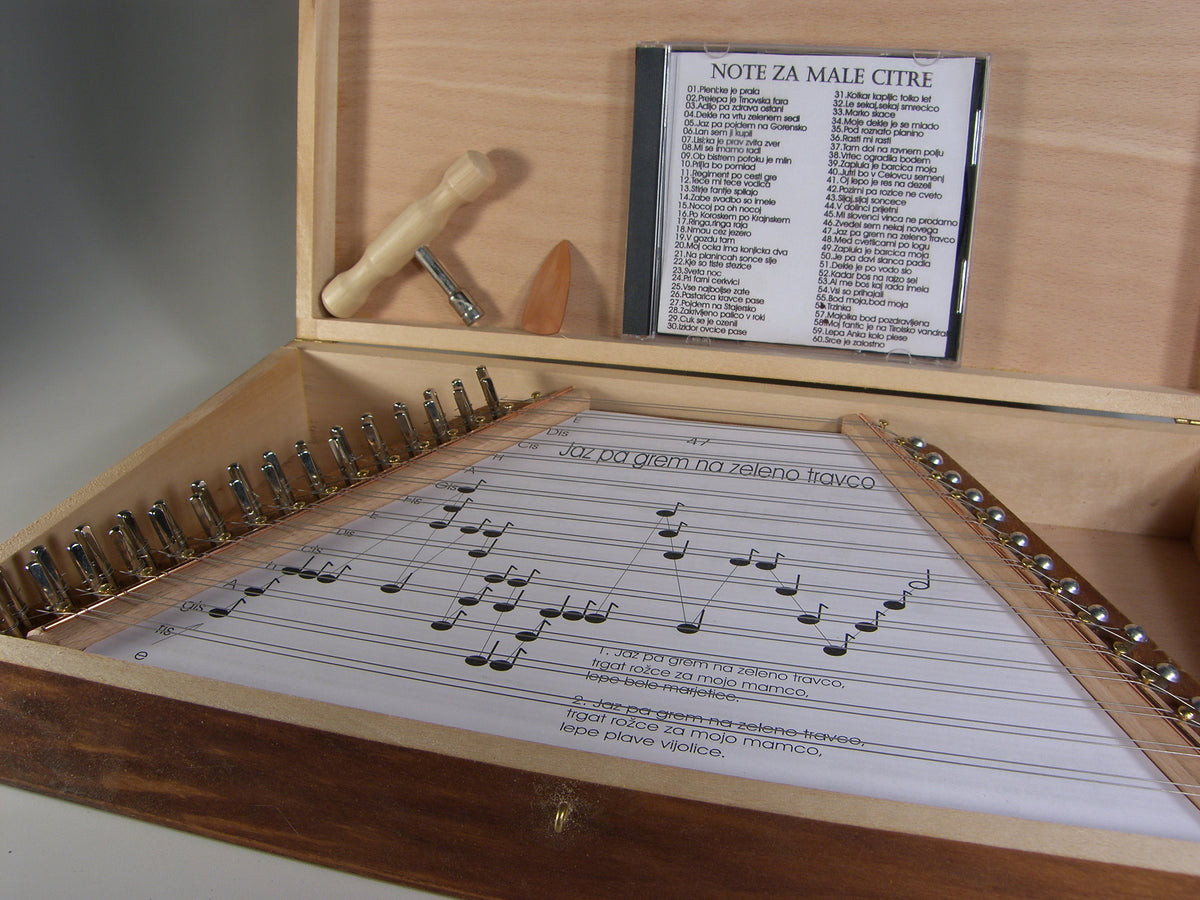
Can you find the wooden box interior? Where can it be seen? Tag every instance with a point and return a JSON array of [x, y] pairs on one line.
[[1080, 353], [1082, 288]]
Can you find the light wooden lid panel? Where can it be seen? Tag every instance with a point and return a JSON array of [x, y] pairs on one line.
[[1084, 264]]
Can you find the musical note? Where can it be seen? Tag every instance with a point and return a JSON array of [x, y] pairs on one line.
[[446, 624], [495, 532], [221, 612], [672, 532], [310, 574], [691, 627], [496, 579], [296, 570], [330, 577], [789, 590], [472, 599], [595, 618], [767, 565], [574, 615], [478, 659], [743, 560], [521, 580], [470, 488], [454, 509], [870, 626], [551, 613], [667, 513], [481, 552], [503, 665], [259, 591], [528, 635], [508, 605], [917, 584], [836, 650], [921, 584], [395, 587], [677, 554], [473, 529], [809, 618]]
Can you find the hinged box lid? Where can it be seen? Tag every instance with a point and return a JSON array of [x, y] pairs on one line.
[[1083, 289]]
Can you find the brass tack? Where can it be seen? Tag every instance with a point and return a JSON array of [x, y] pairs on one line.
[[560, 816]]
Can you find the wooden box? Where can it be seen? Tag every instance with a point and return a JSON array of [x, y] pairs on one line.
[[1077, 403]]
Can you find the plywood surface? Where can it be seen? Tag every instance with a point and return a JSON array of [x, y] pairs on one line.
[[1086, 218]]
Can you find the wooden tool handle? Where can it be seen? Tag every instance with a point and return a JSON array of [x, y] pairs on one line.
[[467, 178]]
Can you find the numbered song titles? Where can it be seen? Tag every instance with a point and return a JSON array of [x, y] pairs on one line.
[[816, 200]]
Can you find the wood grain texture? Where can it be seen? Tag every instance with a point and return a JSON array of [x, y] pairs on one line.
[[474, 829], [1084, 271], [1083, 262]]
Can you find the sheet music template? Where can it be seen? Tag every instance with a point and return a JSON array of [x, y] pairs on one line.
[[746, 601]]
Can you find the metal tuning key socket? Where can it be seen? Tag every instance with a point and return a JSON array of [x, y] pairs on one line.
[[459, 301]]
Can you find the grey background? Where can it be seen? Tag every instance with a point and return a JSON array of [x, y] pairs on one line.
[[147, 227], [147, 247]]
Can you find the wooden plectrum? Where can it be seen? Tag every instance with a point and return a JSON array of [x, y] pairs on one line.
[[547, 301]]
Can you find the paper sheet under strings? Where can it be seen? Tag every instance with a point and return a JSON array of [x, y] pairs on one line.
[[745, 601]]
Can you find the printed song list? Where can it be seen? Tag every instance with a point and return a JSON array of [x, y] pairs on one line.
[[815, 200]]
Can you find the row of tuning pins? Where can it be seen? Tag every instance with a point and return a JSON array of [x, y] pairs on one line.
[[1125, 639], [99, 578]]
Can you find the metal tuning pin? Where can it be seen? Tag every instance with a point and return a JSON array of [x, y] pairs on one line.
[[13, 611], [343, 455], [277, 481], [463, 402], [45, 575], [251, 506], [133, 546], [170, 535], [87, 570], [316, 478], [206, 511], [491, 398], [412, 441], [437, 418], [379, 448], [94, 567], [459, 301]]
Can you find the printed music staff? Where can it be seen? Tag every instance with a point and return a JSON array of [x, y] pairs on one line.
[[677, 568]]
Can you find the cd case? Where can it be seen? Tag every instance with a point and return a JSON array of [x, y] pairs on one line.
[[817, 198]]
